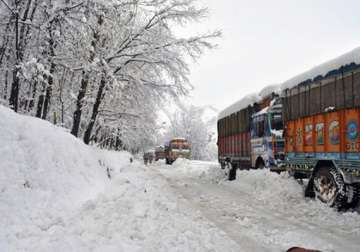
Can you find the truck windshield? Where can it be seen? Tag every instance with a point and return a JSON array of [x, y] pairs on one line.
[[276, 121], [258, 126], [182, 146]]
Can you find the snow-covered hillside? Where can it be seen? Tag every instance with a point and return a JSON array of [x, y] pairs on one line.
[[55, 195]]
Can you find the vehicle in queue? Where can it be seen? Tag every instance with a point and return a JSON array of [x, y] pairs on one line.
[[267, 142], [309, 128], [177, 148], [322, 118], [148, 157], [252, 137], [160, 153]]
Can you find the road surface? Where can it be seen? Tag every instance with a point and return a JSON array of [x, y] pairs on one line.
[[262, 211]]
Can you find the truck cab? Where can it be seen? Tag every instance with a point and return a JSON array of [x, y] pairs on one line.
[[177, 148], [267, 142], [160, 153]]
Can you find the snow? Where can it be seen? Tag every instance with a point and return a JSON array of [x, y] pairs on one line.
[[178, 139], [239, 105], [323, 69], [277, 133], [56, 195], [328, 109], [347, 58], [261, 112], [39, 171], [250, 100], [268, 90], [184, 168], [263, 211]]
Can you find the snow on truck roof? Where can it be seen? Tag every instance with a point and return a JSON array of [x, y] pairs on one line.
[[240, 104], [347, 58], [178, 139], [249, 99]]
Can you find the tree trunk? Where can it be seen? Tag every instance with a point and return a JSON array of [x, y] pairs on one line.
[[95, 111], [32, 101], [6, 39], [15, 86], [28, 98], [19, 49], [84, 82], [79, 104], [22, 29], [40, 106], [50, 78], [48, 92], [6, 84]]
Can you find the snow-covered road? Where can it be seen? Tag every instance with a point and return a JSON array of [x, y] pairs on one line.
[[262, 211], [57, 194]]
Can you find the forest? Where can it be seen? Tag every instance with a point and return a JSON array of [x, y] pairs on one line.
[[101, 69]]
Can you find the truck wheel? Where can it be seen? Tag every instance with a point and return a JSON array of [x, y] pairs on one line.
[[260, 164], [329, 187], [353, 198]]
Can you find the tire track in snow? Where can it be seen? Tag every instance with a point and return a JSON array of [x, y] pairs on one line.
[[225, 222], [248, 222]]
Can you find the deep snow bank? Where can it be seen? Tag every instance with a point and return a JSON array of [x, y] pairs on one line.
[[55, 196], [44, 173], [283, 194], [137, 212]]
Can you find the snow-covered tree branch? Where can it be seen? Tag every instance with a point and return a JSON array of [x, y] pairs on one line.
[[97, 66]]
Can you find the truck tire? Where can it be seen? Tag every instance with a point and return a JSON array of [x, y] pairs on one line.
[[329, 187], [260, 164], [353, 198]]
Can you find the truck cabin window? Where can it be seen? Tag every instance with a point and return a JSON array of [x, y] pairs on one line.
[[259, 126], [179, 146], [276, 121]]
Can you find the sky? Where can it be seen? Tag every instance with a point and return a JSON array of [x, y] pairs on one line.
[[266, 42]]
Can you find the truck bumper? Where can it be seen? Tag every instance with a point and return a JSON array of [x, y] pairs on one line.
[[278, 169]]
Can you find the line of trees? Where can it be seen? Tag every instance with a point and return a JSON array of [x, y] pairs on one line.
[[100, 68], [198, 126]]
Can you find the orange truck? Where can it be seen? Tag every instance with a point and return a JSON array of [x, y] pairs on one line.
[[177, 148], [160, 153], [322, 141], [311, 130]]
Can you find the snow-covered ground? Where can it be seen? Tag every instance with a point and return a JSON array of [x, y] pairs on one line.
[[263, 211], [55, 195]]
